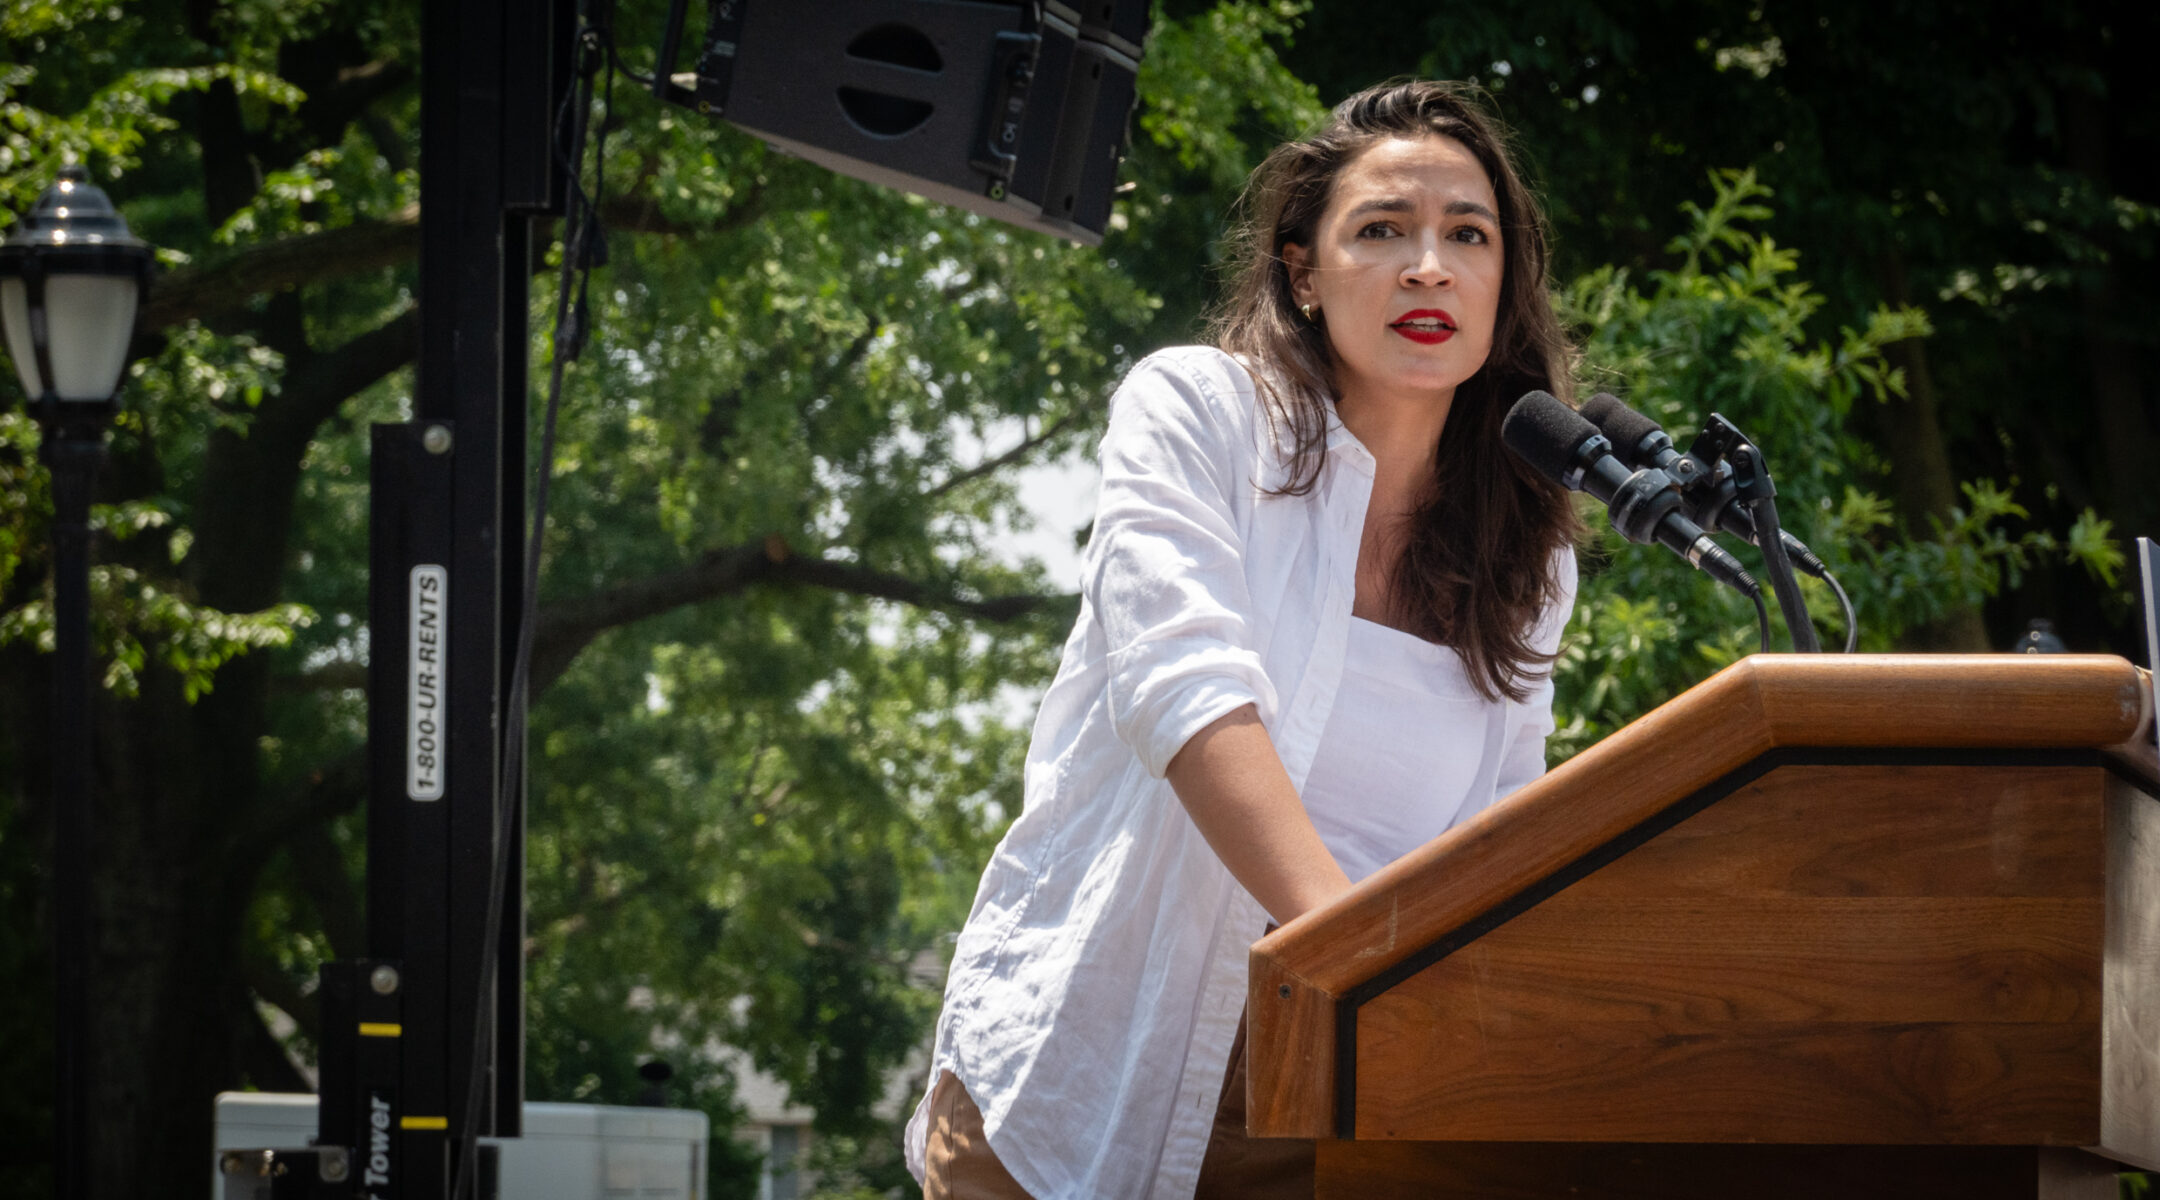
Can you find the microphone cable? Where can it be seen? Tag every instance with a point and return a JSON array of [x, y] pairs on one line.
[[1852, 620]]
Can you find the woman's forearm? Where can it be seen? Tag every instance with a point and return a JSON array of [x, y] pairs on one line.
[[1233, 784]]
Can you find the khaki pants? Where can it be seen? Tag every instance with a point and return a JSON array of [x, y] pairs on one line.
[[959, 1165]]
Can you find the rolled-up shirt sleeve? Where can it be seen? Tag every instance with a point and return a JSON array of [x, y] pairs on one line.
[[1165, 568]]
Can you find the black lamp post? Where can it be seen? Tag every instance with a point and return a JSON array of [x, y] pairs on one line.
[[71, 277]]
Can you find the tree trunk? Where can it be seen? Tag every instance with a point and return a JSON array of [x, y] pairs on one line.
[[1921, 483], [2127, 441], [179, 788], [168, 904]]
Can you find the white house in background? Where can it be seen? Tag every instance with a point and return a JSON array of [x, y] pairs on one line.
[[779, 1128], [776, 1126]]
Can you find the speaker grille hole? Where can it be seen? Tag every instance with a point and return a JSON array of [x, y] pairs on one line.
[[899, 46], [880, 115]]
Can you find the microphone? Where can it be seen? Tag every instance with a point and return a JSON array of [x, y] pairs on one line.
[[1639, 442], [1645, 504]]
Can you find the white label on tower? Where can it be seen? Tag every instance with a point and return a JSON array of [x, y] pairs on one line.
[[426, 683]]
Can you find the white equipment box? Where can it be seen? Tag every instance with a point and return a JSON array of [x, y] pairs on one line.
[[569, 1151]]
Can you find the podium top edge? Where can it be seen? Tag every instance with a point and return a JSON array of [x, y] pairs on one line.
[[1898, 704]]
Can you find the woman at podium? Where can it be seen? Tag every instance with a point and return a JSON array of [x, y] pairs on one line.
[[1319, 609]]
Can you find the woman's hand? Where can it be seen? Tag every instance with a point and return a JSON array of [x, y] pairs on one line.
[[1233, 784]]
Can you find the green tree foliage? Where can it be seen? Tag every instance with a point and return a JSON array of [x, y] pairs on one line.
[[779, 650], [783, 656], [1728, 328]]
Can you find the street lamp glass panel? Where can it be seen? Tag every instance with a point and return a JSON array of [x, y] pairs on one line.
[[15, 318], [88, 321], [98, 313]]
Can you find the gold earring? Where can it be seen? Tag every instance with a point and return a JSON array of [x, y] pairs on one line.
[[1307, 310]]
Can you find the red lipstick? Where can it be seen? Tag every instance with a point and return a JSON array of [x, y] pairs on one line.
[[1425, 326]]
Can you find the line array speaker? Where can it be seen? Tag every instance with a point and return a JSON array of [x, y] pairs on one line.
[[1016, 111]]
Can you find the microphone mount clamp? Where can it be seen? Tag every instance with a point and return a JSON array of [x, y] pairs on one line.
[[1723, 467]]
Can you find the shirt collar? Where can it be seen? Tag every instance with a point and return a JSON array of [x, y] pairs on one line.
[[1340, 441]]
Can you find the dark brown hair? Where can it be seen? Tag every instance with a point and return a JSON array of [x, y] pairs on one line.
[[1475, 572]]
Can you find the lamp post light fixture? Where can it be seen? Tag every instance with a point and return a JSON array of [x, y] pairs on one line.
[[71, 278]]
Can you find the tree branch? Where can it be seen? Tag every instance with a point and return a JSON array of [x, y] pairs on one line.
[[263, 1059], [274, 987], [241, 533], [862, 581], [230, 281], [354, 89], [999, 463], [340, 676], [326, 380], [635, 211], [227, 283], [565, 628]]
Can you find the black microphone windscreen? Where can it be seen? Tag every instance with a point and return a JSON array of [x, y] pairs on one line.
[[1625, 427], [1546, 433]]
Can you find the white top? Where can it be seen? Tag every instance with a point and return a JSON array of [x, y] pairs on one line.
[[1410, 751], [1098, 982]]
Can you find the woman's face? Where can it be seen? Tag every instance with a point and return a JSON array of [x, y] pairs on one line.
[[1404, 270]]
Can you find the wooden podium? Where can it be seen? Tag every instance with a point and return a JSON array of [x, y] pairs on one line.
[[1824, 926]]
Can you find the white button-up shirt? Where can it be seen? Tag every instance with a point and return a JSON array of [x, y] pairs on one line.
[[1097, 985]]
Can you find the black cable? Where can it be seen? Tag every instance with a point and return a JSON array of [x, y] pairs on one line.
[[1762, 619], [623, 69], [1852, 621], [580, 227]]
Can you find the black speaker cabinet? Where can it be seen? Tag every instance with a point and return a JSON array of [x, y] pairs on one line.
[[1007, 110]]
